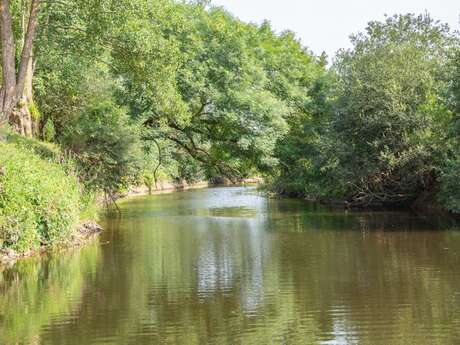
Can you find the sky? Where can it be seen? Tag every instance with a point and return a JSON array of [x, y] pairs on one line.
[[325, 25]]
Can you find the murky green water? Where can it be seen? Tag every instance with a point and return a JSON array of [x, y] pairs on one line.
[[228, 266]]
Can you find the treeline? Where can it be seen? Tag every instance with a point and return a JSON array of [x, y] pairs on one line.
[[140, 91]]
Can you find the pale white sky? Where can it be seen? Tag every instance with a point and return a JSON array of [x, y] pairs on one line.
[[325, 25]]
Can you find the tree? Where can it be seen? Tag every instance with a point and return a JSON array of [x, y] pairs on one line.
[[301, 82], [15, 95], [66, 27], [455, 88], [195, 80], [391, 117], [106, 146]]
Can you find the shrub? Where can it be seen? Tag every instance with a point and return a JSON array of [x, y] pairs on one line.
[[106, 147], [35, 209]]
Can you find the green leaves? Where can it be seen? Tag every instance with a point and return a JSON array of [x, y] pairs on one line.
[[390, 109], [196, 79], [34, 208], [378, 128], [107, 147], [224, 98]]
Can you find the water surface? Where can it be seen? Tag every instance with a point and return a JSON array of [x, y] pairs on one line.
[[229, 266]]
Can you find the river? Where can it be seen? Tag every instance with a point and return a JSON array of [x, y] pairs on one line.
[[230, 266]]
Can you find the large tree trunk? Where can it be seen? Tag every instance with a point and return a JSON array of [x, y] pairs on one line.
[[8, 91], [22, 117], [16, 93]]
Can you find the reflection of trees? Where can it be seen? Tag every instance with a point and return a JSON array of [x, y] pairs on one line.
[[35, 290], [200, 274], [372, 284]]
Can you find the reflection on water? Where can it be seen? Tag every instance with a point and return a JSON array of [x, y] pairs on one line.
[[228, 266], [40, 291]]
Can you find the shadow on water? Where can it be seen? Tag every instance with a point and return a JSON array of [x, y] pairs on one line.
[[228, 266]]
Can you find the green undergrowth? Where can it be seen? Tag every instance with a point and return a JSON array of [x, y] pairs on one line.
[[41, 199]]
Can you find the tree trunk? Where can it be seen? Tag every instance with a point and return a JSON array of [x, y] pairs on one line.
[[16, 93], [27, 48], [28, 121], [8, 91]]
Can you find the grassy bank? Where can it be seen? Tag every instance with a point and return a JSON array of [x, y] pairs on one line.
[[42, 202]]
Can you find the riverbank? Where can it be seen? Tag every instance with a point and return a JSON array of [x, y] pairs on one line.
[[164, 187], [43, 203], [426, 204], [85, 233]]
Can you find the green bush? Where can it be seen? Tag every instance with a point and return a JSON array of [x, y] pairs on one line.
[[148, 178], [106, 147], [39, 200]]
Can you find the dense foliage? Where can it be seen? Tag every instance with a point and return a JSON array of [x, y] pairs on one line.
[[141, 91], [35, 209], [207, 95], [386, 136]]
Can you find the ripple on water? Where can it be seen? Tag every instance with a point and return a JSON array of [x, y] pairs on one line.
[[228, 266]]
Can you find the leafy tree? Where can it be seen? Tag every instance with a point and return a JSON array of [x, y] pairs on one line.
[[205, 90], [300, 80], [391, 115]]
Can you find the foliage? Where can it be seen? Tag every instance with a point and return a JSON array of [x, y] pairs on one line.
[[449, 194], [34, 111], [106, 146], [49, 132], [34, 208], [455, 80], [450, 185], [391, 119], [307, 165], [204, 90], [44, 150], [385, 139]]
